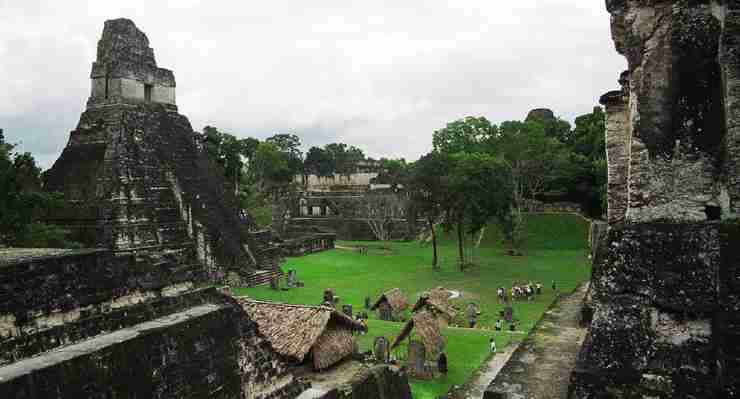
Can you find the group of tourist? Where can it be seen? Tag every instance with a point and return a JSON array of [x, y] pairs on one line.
[[520, 292]]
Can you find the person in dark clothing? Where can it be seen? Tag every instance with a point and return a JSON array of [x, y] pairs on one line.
[[442, 363]]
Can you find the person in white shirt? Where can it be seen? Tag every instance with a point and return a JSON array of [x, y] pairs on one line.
[[493, 346]]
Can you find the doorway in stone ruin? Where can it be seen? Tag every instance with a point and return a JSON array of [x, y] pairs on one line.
[[148, 93], [713, 212]]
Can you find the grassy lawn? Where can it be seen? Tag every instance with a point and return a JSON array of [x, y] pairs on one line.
[[556, 250], [466, 350]]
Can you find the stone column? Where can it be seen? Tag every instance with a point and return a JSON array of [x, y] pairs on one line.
[[617, 154], [730, 64], [666, 286]]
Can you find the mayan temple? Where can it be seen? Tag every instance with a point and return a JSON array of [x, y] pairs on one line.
[[135, 179], [136, 315], [666, 277]]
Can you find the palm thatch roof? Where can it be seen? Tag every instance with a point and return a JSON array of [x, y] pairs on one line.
[[333, 345], [296, 330], [437, 300], [394, 298], [427, 329]]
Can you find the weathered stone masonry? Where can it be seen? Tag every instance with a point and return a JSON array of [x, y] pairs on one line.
[[134, 176], [666, 279], [127, 319], [79, 325]]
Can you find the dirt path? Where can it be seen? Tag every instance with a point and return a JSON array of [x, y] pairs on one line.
[[540, 368]]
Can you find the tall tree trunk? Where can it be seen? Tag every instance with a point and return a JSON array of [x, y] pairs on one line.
[[434, 242], [460, 238]]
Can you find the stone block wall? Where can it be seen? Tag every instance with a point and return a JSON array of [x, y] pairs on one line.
[[341, 213], [308, 244], [664, 289], [79, 324], [372, 383], [350, 228], [55, 300], [136, 179], [536, 206], [125, 65], [210, 351]]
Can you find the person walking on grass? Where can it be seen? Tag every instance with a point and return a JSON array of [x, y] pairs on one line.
[[493, 346], [499, 325]]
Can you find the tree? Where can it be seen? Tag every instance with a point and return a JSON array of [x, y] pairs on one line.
[[270, 167], [463, 135], [318, 162], [23, 202], [483, 188], [536, 161], [290, 146], [344, 158], [393, 172], [230, 153], [378, 210], [588, 176], [428, 188]]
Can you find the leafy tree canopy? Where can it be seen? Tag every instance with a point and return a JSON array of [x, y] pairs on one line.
[[463, 135], [23, 202]]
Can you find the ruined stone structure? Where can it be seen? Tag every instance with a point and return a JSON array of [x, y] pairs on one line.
[[541, 114], [666, 280], [130, 318], [81, 324], [134, 176], [342, 212], [379, 381], [364, 176], [337, 204]]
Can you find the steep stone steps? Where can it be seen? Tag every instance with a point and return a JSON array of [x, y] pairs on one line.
[[119, 313], [18, 377]]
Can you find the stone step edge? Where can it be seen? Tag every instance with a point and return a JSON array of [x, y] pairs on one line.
[[191, 298], [57, 356]]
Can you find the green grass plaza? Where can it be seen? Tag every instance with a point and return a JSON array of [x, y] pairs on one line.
[[556, 250]]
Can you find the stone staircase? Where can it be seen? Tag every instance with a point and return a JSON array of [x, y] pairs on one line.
[[262, 277], [98, 324]]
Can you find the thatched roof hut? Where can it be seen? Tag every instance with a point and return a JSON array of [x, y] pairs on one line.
[[394, 298], [427, 328], [296, 331], [437, 301]]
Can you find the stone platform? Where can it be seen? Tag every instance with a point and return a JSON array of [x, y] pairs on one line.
[[540, 368], [80, 324]]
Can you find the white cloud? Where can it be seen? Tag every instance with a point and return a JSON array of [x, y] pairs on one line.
[[378, 75]]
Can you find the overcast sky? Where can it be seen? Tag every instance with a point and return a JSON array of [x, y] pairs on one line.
[[378, 75]]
